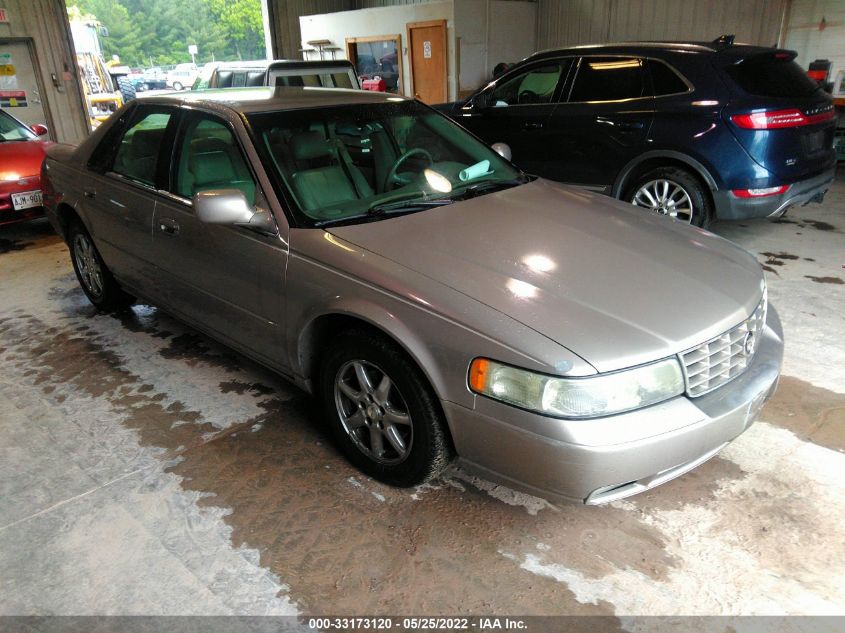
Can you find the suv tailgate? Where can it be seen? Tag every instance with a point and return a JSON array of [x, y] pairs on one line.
[[782, 118]]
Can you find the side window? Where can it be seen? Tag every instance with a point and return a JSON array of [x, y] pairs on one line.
[[137, 154], [664, 80], [255, 78], [342, 80], [209, 158], [224, 78], [608, 79], [536, 85]]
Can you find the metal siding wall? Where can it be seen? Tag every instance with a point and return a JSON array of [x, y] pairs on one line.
[[571, 22], [45, 22]]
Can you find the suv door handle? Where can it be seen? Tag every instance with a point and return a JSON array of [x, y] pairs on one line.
[[89, 193], [532, 125], [169, 226], [620, 125]]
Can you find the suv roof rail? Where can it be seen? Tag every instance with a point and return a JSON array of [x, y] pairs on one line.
[[724, 41]]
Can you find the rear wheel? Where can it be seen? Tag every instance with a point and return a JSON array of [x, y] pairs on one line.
[[177, 85], [674, 192], [95, 278], [382, 412]]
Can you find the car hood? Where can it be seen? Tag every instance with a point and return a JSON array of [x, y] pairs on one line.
[[612, 283], [23, 158]]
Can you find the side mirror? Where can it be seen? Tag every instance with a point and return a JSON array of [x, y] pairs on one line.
[[39, 129], [502, 149], [483, 100], [229, 206]]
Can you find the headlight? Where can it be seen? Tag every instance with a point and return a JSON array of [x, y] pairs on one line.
[[604, 394]]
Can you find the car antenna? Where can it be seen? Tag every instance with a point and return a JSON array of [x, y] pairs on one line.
[[724, 41]]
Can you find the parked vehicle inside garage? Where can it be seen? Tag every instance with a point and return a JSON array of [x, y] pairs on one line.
[[436, 300], [693, 130], [21, 154], [325, 74]]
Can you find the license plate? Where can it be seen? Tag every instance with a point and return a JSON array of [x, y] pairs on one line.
[[26, 200]]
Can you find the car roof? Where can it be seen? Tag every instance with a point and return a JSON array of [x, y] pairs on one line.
[[269, 98], [712, 48]]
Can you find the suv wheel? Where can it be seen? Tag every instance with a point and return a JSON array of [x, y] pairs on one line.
[[381, 411], [673, 192], [96, 280], [177, 85]]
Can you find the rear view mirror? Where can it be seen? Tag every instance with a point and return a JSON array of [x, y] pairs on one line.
[[229, 206], [39, 129], [502, 149]]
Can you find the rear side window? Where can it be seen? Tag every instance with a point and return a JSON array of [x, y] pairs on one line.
[[664, 80], [224, 78], [255, 78], [608, 79], [771, 76], [137, 155], [342, 80]]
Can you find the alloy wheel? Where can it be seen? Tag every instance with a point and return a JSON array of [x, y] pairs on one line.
[[373, 412], [88, 265], [666, 197]]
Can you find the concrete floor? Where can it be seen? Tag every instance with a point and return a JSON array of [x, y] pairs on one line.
[[147, 470]]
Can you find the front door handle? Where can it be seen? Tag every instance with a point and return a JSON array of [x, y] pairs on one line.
[[89, 193], [532, 125], [169, 226]]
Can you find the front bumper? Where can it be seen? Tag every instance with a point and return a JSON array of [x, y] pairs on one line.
[[729, 207], [601, 460]]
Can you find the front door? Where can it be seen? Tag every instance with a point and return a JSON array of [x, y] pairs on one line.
[[427, 50], [20, 91], [516, 110], [226, 279]]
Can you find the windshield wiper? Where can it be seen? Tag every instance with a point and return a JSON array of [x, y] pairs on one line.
[[378, 211], [488, 186]]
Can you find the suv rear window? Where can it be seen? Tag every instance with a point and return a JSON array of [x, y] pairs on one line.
[[770, 76]]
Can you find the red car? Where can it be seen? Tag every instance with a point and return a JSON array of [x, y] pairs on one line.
[[21, 155]]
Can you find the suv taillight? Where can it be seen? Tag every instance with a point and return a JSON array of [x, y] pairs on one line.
[[777, 119], [760, 193]]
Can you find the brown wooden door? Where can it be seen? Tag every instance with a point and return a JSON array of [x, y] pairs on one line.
[[427, 42]]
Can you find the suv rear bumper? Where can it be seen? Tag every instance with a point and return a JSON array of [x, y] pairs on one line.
[[729, 207]]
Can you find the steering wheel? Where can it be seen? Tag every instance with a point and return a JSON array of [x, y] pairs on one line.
[[528, 96], [391, 178]]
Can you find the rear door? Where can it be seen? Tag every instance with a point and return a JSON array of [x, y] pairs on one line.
[[227, 279], [119, 195], [516, 110], [603, 122], [782, 118]]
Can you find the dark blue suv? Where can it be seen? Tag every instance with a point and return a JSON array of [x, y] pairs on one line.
[[697, 131]]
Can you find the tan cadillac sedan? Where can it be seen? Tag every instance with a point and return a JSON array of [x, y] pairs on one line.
[[437, 301]]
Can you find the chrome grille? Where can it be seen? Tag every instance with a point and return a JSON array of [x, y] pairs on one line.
[[721, 359]]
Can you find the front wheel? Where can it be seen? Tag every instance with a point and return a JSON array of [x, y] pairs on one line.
[[382, 412], [177, 85], [673, 192], [95, 278]]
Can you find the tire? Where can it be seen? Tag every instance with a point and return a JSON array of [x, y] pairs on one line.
[[177, 85], [684, 197], [127, 90], [96, 280], [414, 446]]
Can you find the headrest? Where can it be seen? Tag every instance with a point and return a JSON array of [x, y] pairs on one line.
[[210, 144], [146, 142], [309, 145]]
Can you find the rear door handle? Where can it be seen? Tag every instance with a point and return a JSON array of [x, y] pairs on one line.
[[169, 226], [89, 193], [532, 125], [618, 124]]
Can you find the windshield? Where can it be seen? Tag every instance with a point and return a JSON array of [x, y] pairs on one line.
[[12, 130], [363, 162]]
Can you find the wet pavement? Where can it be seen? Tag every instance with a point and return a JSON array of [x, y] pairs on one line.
[[146, 469]]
